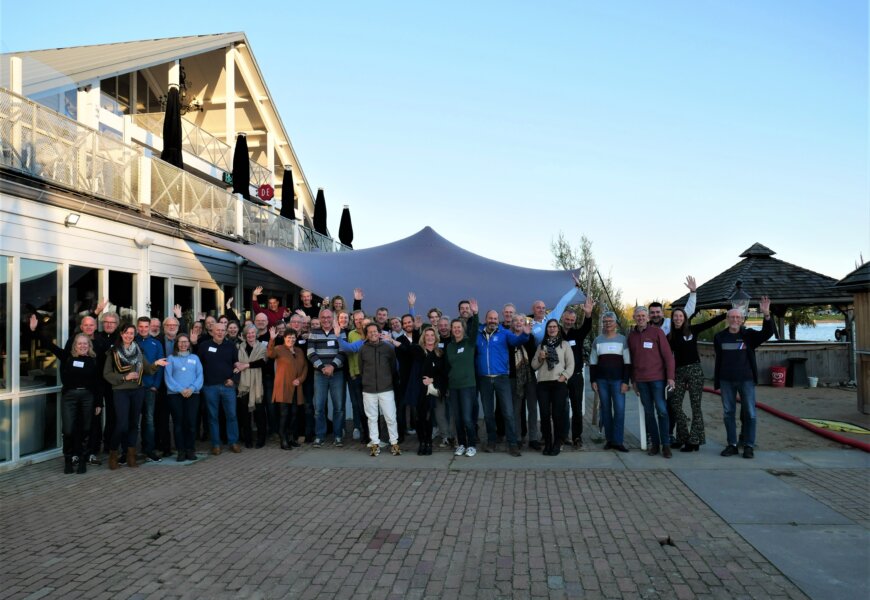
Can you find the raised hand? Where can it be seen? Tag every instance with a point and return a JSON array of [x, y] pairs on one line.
[[257, 291], [273, 333], [764, 305], [230, 303], [588, 305], [412, 298], [357, 294], [176, 310], [690, 283], [101, 306], [473, 304], [33, 322]]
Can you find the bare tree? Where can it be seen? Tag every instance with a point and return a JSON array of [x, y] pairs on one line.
[[600, 287]]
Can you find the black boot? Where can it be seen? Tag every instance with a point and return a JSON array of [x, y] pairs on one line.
[[83, 465], [67, 465], [421, 449]]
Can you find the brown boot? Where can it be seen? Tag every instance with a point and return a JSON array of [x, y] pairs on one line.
[[113, 460], [131, 458]]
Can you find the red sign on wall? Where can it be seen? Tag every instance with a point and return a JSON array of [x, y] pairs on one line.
[[265, 192]]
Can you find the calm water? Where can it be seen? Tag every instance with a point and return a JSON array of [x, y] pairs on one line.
[[822, 332]]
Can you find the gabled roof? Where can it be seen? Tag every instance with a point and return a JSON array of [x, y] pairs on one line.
[[438, 271], [856, 281], [58, 68], [761, 274]]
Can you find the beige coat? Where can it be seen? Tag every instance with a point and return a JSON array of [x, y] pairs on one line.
[[564, 366]]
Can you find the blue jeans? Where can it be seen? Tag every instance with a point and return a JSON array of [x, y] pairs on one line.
[[148, 420], [612, 409], [461, 401], [226, 397], [128, 408], [333, 387], [746, 390], [652, 395], [500, 385]]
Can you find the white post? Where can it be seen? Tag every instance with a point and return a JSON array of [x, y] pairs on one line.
[[145, 185], [240, 216], [640, 412], [88, 104], [15, 83], [230, 93], [175, 73]]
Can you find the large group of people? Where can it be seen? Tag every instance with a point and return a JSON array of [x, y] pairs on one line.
[[287, 373]]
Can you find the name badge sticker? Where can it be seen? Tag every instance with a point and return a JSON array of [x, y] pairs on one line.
[[461, 350], [441, 344], [330, 343], [572, 342], [190, 361], [212, 349], [647, 345], [78, 364]]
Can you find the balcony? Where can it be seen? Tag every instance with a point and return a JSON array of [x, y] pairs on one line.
[[201, 143], [41, 143]]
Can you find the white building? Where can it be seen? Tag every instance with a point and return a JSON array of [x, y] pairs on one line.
[[88, 210]]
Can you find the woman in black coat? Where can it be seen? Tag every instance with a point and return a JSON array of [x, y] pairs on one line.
[[427, 382]]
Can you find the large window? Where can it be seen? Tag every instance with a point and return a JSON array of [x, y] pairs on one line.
[[37, 422], [39, 294], [183, 295], [208, 302], [122, 294], [158, 298], [83, 294], [5, 334]]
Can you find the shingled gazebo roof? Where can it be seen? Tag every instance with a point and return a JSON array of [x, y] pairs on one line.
[[761, 274], [856, 281]]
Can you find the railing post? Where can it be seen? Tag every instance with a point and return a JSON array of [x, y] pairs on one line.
[[145, 185], [15, 80], [240, 216]]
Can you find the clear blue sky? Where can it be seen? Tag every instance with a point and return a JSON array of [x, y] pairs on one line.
[[674, 134]]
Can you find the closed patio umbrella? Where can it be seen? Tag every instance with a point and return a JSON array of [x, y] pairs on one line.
[[241, 168], [172, 129], [320, 213], [288, 197], [345, 228]]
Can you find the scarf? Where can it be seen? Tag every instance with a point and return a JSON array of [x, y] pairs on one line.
[[251, 380], [550, 345], [128, 359]]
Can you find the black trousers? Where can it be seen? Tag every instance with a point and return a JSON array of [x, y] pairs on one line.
[[552, 396], [575, 395], [287, 421], [77, 408], [425, 411]]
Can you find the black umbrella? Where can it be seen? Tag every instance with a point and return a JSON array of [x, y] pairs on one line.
[[345, 228], [288, 198], [241, 168], [172, 129], [320, 213]]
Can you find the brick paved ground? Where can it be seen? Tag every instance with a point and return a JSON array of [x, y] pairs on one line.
[[846, 491], [253, 526]]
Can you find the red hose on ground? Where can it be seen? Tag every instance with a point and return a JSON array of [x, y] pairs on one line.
[[840, 439]]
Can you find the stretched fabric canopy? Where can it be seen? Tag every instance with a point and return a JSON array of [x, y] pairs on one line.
[[438, 271]]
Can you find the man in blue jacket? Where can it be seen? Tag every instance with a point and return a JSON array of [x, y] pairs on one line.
[[152, 348], [493, 378]]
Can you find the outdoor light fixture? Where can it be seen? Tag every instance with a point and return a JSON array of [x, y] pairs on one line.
[[72, 219], [740, 299], [186, 107]]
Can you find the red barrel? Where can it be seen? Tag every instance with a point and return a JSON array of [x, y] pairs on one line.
[[777, 376]]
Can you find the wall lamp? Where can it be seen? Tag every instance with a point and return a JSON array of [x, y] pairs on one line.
[[72, 219]]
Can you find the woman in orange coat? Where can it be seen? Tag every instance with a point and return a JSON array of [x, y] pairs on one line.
[[291, 369]]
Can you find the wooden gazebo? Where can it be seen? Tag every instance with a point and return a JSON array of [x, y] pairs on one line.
[[858, 284], [786, 284]]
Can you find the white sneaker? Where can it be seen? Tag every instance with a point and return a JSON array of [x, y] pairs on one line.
[[460, 450], [412, 432], [471, 451], [356, 435]]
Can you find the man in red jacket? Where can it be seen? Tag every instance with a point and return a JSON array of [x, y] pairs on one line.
[[652, 372]]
